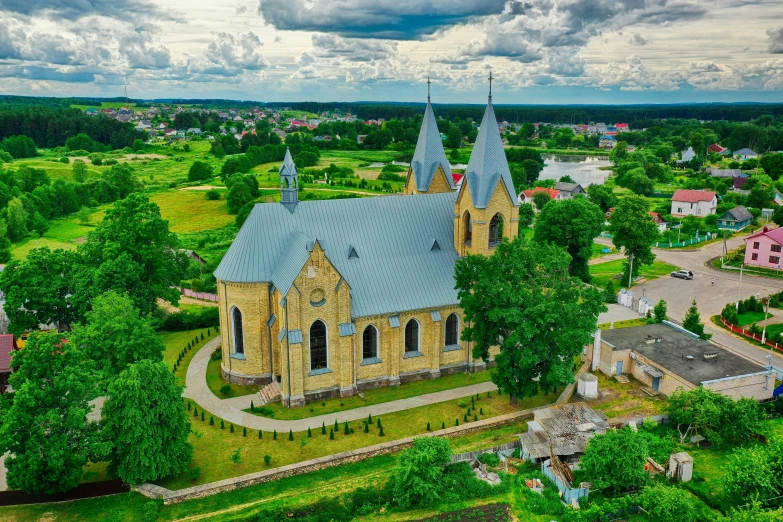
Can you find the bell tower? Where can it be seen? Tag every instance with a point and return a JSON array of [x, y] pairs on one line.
[[486, 209], [289, 181]]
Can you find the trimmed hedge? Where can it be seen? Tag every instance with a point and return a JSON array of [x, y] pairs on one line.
[[191, 320]]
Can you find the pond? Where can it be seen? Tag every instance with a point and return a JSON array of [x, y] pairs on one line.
[[582, 169]]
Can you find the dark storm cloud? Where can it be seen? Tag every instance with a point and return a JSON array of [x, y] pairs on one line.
[[387, 19], [74, 9]]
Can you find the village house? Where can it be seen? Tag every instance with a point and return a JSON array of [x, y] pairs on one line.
[[736, 175], [745, 154], [659, 221], [526, 196], [697, 203], [686, 156], [735, 219], [715, 148], [569, 190], [764, 248], [666, 357], [7, 347], [316, 303]]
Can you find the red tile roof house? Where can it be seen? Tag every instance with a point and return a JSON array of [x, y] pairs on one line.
[[7, 346], [527, 195], [697, 203], [764, 248]]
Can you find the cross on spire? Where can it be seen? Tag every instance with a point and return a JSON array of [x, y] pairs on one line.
[[490, 85], [428, 88]]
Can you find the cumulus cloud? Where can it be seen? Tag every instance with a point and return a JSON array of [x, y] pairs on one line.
[[75, 9], [638, 40], [395, 19], [775, 40], [354, 49], [231, 55]]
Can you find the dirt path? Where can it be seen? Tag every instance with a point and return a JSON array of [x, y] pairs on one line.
[[202, 187]]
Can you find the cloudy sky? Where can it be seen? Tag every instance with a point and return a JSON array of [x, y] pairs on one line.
[[540, 51]]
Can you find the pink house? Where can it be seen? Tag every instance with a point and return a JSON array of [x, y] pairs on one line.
[[765, 248]]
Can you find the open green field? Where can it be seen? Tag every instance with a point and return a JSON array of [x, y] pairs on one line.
[[296, 114], [66, 233], [190, 211], [377, 396], [604, 272]]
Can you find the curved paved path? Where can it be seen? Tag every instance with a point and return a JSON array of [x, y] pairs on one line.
[[231, 409]]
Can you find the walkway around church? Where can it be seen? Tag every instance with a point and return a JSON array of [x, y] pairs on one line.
[[231, 409]]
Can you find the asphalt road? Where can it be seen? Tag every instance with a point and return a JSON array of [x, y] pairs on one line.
[[711, 299]]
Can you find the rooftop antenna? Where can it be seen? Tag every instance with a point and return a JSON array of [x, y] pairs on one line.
[[490, 85], [428, 88]]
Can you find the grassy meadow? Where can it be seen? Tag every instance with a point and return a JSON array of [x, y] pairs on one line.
[[604, 272]]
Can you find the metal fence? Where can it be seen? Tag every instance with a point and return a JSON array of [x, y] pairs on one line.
[[687, 242], [471, 455], [187, 292], [569, 493]]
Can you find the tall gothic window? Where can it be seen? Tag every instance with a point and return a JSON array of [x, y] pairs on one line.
[[468, 225], [370, 343], [318, 347], [495, 230], [452, 330], [412, 336], [239, 336]]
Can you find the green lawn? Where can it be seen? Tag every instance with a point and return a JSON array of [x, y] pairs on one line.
[[598, 248], [214, 447], [176, 341], [376, 396], [748, 318], [604, 272], [190, 211], [66, 233], [624, 324], [215, 381]]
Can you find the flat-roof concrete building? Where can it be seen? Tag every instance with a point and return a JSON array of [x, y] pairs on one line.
[[666, 357]]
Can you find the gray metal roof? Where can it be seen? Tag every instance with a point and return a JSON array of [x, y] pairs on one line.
[[396, 270], [429, 153], [488, 164], [726, 173], [562, 186], [745, 152], [288, 168], [738, 214]]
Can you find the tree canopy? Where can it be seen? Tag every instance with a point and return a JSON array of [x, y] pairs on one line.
[[145, 421], [522, 299], [572, 224], [418, 478], [633, 228]]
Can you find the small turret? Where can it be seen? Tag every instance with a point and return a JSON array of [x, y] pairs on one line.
[[289, 181]]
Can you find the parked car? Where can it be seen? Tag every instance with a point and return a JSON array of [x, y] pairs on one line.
[[683, 274]]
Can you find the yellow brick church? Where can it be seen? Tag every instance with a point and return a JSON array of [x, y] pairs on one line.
[[328, 298]]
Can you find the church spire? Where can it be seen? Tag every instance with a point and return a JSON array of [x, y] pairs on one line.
[[289, 181], [488, 164], [429, 154]]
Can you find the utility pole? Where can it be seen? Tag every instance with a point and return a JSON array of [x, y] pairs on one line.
[[766, 314], [739, 287], [630, 270]]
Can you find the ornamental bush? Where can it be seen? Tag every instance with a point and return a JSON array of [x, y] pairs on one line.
[[267, 459]]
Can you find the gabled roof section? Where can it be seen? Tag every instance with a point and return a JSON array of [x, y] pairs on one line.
[[739, 214], [488, 165], [429, 153], [293, 260], [692, 196]]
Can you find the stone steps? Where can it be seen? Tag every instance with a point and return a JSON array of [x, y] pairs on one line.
[[622, 379], [269, 393]]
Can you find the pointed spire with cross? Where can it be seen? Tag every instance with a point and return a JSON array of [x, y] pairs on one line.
[[490, 85], [428, 88]]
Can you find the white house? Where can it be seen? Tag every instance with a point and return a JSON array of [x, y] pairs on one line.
[[697, 203], [745, 153]]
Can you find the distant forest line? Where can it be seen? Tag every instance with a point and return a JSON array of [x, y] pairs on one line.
[[637, 114]]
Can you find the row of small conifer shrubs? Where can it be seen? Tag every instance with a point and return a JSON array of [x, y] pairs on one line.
[[191, 344]]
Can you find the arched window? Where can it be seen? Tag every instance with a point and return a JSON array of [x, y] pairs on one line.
[[452, 330], [318, 348], [468, 226], [239, 335], [370, 343], [495, 230], [412, 336]]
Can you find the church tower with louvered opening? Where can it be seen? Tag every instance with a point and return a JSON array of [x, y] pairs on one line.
[[486, 209]]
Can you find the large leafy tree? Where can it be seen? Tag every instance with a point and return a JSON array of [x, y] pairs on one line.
[[37, 290], [602, 196], [45, 428], [615, 461], [133, 252], [145, 421], [115, 335], [571, 224], [716, 417], [755, 472], [523, 299], [633, 228], [418, 479]]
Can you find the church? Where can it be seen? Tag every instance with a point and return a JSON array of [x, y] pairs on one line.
[[329, 298]]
